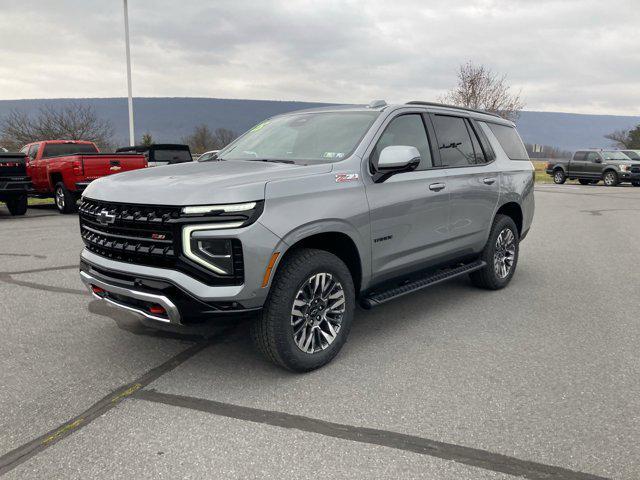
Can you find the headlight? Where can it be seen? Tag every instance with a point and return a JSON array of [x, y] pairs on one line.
[[624, 168], [230, 208], [213, 253]]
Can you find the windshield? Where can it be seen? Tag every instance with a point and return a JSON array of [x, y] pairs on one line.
[[56, 149], [614, 156], [308, 137], [632, 154]]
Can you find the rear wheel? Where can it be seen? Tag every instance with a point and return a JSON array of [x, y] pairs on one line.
[[308, 314], [611, 178], [17, 205], [635, 183], [500, 254], [65, 200], [559, 177]]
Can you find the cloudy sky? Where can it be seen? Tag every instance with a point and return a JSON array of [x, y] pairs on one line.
[[564, 55]]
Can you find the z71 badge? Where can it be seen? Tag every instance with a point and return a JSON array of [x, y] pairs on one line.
[[346, 177]]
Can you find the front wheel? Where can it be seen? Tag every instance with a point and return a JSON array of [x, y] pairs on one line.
[[308, 313], [500, 254], [17, 205], [611, 178], [65, 200], [559, 177], [635, 183]]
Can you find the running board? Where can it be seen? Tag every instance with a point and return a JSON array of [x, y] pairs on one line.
[[379, 297]]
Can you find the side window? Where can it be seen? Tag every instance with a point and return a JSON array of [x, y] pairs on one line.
[[454, 142], [580, 156], [406, 130], [24, 149], [592, 157], [33, 151], [510, 141], [479, 157]]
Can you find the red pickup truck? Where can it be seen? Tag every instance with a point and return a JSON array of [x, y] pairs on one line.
[[62, 169]]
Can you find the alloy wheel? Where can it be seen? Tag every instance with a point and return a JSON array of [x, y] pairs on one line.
[[505, 253], [318, 309], [60, 198]]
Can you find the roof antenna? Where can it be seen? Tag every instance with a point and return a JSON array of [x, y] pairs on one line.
[[377, 104]]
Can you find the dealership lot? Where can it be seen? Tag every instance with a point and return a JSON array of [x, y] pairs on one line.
[[457, 382]]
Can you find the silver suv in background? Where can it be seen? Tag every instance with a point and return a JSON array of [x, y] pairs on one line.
[[309, 213]]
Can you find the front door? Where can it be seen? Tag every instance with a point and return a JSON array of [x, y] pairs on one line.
[[593, 166], [577, 165], [409, 211]]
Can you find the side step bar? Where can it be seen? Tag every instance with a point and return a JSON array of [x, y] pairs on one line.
[[376, 298]]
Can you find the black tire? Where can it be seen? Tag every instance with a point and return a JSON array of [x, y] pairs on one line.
[[584, 182], [611, 178], [17, 205], [273, 332], [635, 183], [559, 177], [488, 277], [65, 201]]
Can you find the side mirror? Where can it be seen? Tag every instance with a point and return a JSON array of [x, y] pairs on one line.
[[598, 160], [398, 158]]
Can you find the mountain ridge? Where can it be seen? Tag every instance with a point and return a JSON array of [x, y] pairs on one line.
[[169, 119]]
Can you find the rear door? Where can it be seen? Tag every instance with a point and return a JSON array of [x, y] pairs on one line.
[[473, 180], [408, 211]]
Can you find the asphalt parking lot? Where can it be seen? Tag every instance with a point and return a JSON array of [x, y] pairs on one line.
[[540, 380]]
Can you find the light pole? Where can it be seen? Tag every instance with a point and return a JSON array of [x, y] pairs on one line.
[[132, 136]]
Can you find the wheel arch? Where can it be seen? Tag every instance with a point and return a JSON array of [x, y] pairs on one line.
[[54, 178], [514, 211], [337, 242]]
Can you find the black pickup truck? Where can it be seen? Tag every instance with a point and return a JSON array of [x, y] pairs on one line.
[[14, 182], [591, 166]]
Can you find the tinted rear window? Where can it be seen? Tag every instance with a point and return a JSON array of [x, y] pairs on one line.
[[171, 156], [509, 141], [56, 149], [580, 156]]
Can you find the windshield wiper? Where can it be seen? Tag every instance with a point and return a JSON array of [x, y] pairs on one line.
[[276, 160]]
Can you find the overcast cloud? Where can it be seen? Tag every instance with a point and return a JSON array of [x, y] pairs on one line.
[[565, 55]]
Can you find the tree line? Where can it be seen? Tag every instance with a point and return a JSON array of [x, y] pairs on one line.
[[76, 121]]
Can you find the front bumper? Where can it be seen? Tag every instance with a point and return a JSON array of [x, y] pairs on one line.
[[154, 299], [82, 186], [629, 176]]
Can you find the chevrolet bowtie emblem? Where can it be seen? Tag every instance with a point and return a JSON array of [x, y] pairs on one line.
[[106, 218]]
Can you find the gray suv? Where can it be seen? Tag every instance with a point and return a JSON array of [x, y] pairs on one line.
[[309, 213]]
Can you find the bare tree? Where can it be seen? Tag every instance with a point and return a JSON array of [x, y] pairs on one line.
[[147, 140], [203, 139], [224, 137], [70, 122], [626, 138], [480, 88]]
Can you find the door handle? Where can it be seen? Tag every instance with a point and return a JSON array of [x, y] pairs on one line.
[[488, 181], [436, 187]]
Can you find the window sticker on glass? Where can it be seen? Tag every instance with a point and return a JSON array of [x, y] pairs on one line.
[[333, 155], [259, 126]]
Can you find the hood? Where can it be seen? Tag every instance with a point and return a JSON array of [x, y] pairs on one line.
[[197, 183]]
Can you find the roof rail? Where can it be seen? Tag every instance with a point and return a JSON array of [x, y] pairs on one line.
[[435, 104]]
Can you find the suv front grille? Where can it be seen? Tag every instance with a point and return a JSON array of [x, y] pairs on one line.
[[151, 235]]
